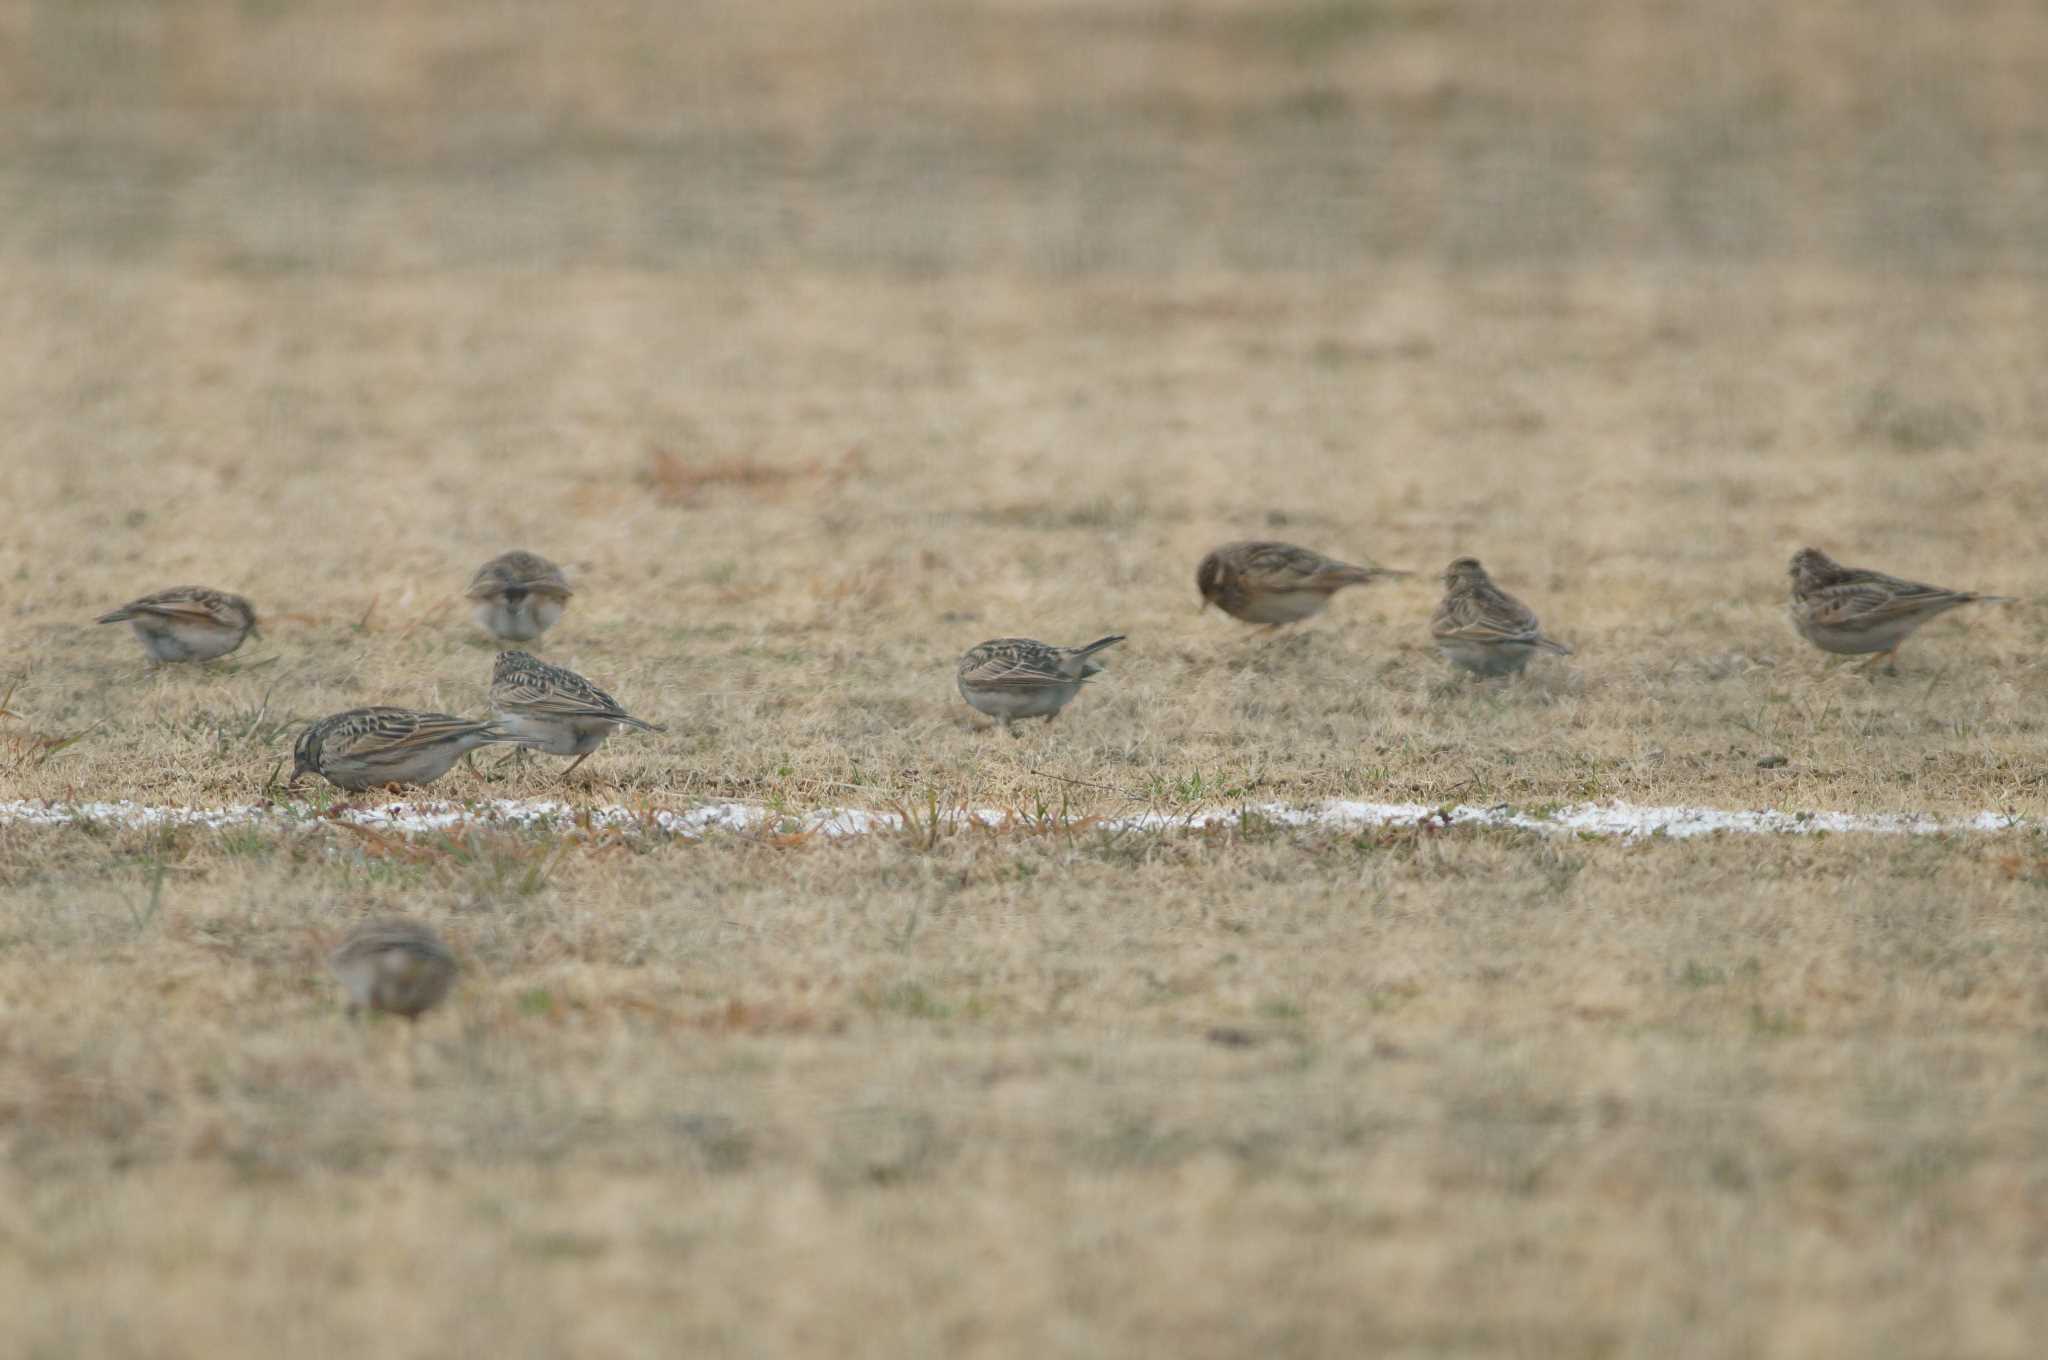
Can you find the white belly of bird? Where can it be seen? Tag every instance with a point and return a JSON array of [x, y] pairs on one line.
[[185, 640], [559, 736], [1488, 658], [1860, 641], [1020, 701], [1283, 606], [421, 766], [521, 622]]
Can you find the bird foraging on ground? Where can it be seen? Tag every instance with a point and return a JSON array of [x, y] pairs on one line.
[[188, 623], [1011, 678], [1481, 628], [394, 965], [1277, 583], [1851, 611], [368, 748], [554, 709], [518, 596]]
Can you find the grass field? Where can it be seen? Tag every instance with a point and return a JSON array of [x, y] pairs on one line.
[[820, 342]]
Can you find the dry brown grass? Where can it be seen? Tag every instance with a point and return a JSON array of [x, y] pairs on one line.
[[1186, 1095], [825, 341]]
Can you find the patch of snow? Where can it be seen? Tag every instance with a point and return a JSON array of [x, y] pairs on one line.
[[1613, 820]]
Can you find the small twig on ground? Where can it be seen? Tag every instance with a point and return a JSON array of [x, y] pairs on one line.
[[1082, 783]]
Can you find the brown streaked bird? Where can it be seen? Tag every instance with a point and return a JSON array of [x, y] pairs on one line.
[[518, 596], [1481, 628], [1011, 678], [1852, 611], [369, 748], [188, 623], [1277, 583], [394, 965], [555, 709]]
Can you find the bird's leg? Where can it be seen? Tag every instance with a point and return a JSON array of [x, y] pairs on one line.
[[573, 764]]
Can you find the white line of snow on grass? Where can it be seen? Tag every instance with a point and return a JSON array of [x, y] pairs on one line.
[[1607, 820]]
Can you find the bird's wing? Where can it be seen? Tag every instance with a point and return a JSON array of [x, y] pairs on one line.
[[395, 731], [1012, 663], [1873, 598], [1284, 567], [181, 602], [375, 937], [1485, 616], [552, 692], [518, 569]]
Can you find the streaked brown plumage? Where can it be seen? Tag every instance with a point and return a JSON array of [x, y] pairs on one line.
[[188, 623], [555, 708], [1010, 678], [1481, 628], [1277, 583], [1852, 611], [518, 595], [395, 965], [367, 748]]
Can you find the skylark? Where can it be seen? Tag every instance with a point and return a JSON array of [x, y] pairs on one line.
[[518, 596], [188, 623], [1483, 629], [1277, 583], [394, 965], [1853, 612], [369, 748], [1011, 678], [555, 709]]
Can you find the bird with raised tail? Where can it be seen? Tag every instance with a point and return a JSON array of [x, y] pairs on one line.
[[554, 709], [1011, 678], [1481, 628], [1278, 583]]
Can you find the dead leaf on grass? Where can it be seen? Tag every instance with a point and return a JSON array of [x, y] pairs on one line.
[[678, 481]]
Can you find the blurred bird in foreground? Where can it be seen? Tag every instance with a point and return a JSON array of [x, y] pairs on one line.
[[394, 965]]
